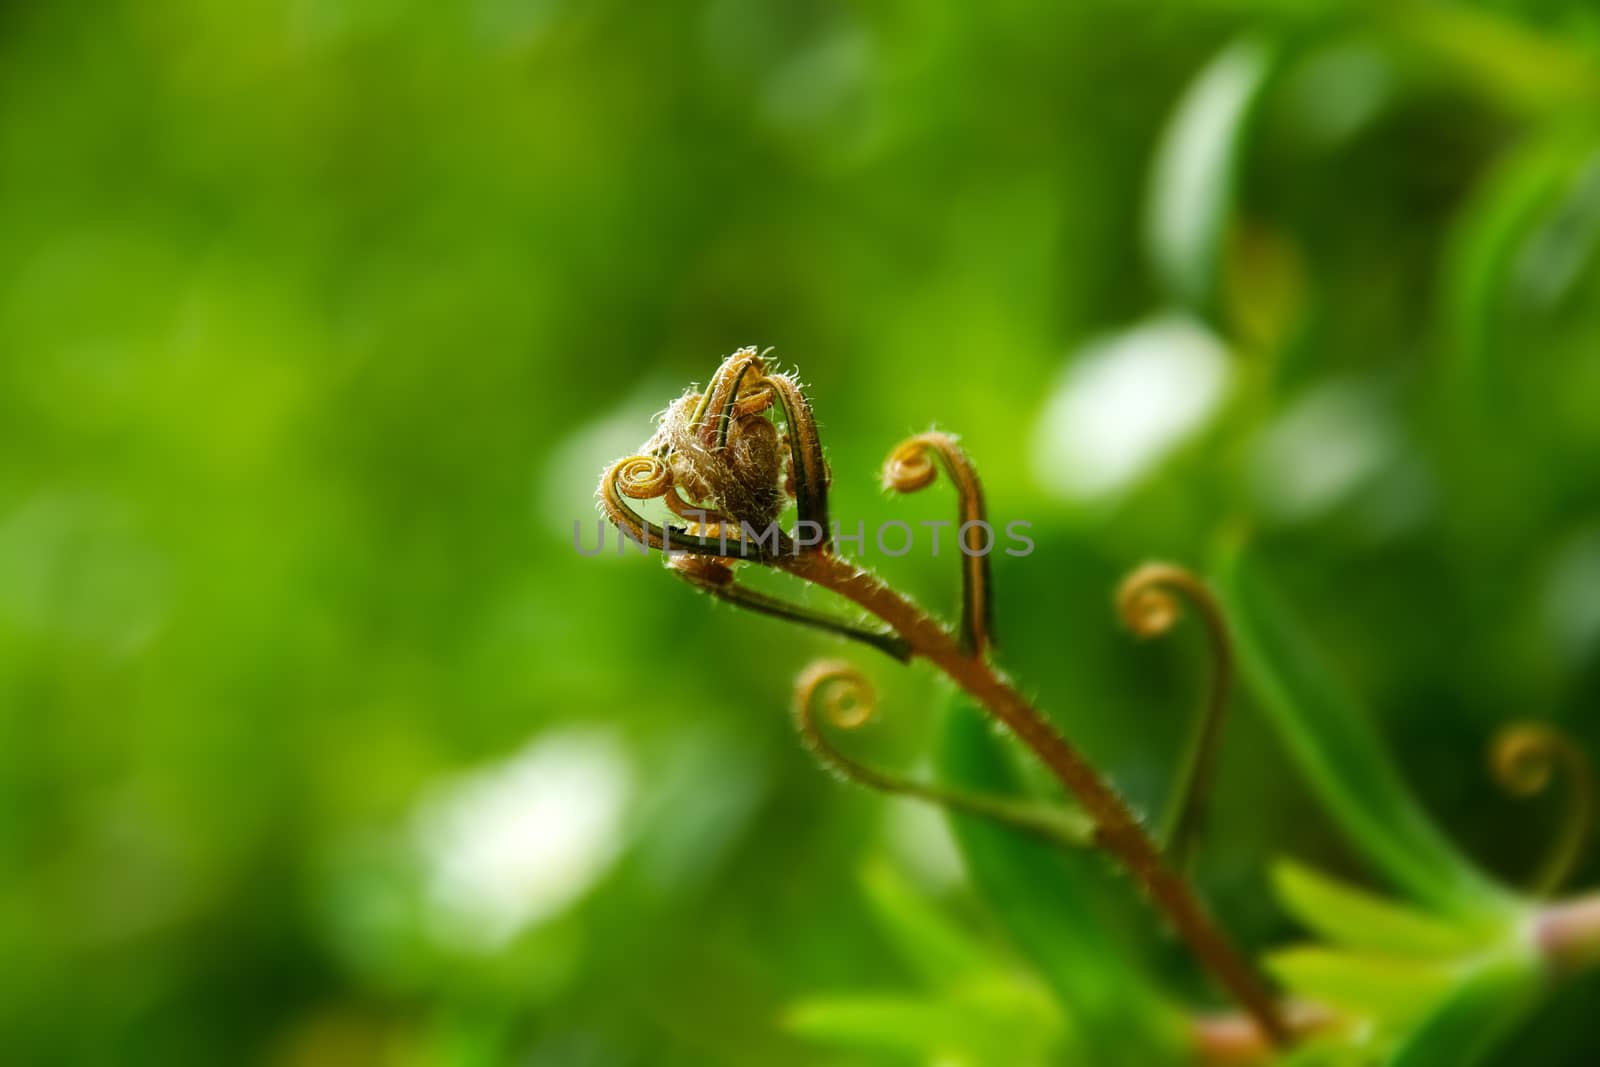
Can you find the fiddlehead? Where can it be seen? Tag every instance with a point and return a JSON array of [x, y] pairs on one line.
[[739, 473], [909, 468], [1148, 601], [1524, 759]]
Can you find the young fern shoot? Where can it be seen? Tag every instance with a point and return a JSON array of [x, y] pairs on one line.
[[1524, 759], [722, 466], [1149, 602]]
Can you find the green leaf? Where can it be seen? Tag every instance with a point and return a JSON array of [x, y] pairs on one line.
[[1470, 1021], [1487, 239], [1514, 64], [1388, 988], [1333, 744], [1354, 919], [990, 1031], [1196, 171], [1054, 904], [1326, 1051], [938, 950]]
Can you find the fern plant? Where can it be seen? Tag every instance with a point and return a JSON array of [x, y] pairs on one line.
[[1433, 980]]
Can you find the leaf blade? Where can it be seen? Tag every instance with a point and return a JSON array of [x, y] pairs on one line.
[[1336, 748], [1196, 171], [1355, 919], [1468, 1024]]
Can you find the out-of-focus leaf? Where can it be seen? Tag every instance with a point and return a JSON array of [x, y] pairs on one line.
[[1196, 169], [1050, 902], [1389, 988], [1354, 919], [1327, 1051], [1512, 63], [938, 950], [979, 1030], [1489, 234], [1330, 739], [1166, 379], [1466, 1025]]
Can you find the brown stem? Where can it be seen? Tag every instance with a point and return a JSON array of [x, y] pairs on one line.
[[1117, 828]]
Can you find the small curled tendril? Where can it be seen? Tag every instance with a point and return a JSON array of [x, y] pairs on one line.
[[1148, 600], [834, 691], [648, 477], [642, 477], [909, 468], [1524, 759]]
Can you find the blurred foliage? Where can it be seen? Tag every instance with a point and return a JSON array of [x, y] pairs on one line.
[[320, 744]]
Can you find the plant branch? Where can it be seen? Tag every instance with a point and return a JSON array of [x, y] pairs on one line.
[[1117, 829]]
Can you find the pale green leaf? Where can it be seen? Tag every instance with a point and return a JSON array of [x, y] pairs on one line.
[[1388, 988], [1355, 919], [976, 1032], [1196, 170], [1488, 238], [937, 949]]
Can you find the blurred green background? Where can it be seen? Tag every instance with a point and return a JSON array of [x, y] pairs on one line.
[[320, 744]]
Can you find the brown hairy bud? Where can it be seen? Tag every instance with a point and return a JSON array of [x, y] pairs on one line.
[[721, 446]]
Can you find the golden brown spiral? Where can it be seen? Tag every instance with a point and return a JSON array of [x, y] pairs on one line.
[[910, 466], [840, 692], [1525, 759], [641, 477], [1146, 602]]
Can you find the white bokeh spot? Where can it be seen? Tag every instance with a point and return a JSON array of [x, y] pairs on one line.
[[1126, 401], [520, 841]]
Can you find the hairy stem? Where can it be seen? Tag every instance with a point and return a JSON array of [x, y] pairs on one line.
[[1117, 828]]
